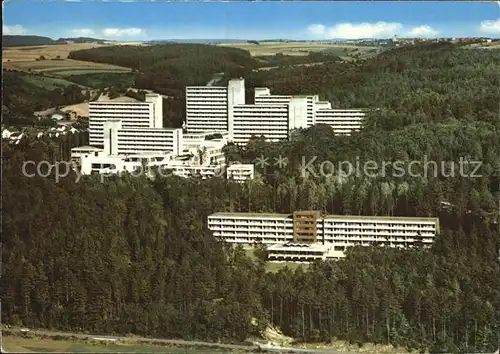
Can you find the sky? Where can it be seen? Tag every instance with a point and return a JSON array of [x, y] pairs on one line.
[[152, 20]]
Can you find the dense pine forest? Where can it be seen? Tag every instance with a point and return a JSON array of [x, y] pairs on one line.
[[168, 68], [132, 255]]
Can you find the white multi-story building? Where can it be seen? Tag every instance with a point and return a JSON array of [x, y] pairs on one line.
[[208, 107], [340, 231], [147, 114], [151, 164], [262, 95], [342, 121], [221, 109], [270, 121], [190, 171], [240, 172], [119, 140], [79, 151], [302, 252], [196, 139], [206, 148], [139, 164], [143, 164]]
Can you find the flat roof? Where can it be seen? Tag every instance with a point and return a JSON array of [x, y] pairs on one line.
[[300, 247], [87, 147], [276, 96], [135, 129], [335, 110], [395, 218], [264, 215], [349, 217], [147, 154], [240, 165], [207, 87], [259, 105], [121, 102]]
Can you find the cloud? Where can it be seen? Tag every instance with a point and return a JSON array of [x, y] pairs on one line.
[[13, 30], [122, 32], [356, 30], [423, 31], [317, 30], [82, 32], [490, 26]]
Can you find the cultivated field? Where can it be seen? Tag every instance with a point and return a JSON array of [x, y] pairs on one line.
[[25, 59], [298, 48], [49, 83]]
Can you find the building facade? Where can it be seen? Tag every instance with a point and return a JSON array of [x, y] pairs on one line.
[[240, 172], [262, 95], [147, 114], [119, 140], [302, 252], [340, 231], [223, 109], [270, 121], [209, 108], [206, 109], [342, 121]]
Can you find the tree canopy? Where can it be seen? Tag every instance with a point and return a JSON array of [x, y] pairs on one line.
[[133, 255]]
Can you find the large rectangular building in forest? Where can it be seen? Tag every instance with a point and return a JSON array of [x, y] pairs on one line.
[[340, 231], [224, 109], [148, 114]]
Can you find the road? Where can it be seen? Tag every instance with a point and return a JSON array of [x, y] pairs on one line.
[[176, 342], [215, 78]]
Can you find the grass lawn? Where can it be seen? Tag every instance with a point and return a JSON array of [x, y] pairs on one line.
[[276, 267], [106, 79], [48, 83], [348, 52], [15, 344]]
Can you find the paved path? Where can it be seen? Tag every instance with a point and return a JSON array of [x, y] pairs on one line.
[[177, 342]]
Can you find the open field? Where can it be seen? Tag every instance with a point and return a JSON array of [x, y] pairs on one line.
[[267, 68], [296, 48], [63, 67], [15, 344], [25, 59], [49, 83]]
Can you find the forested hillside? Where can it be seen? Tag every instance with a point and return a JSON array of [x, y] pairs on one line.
[[24, 40], [169, 68], [411, 84], [416, 84], [418, 191], [20, 98], [133, 255]]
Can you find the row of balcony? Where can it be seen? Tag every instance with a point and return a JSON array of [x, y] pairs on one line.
[[233, 224]]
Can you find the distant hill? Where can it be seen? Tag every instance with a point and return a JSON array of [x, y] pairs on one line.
[[80, 40], [15, 41], [195, 41], [22, 40]]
